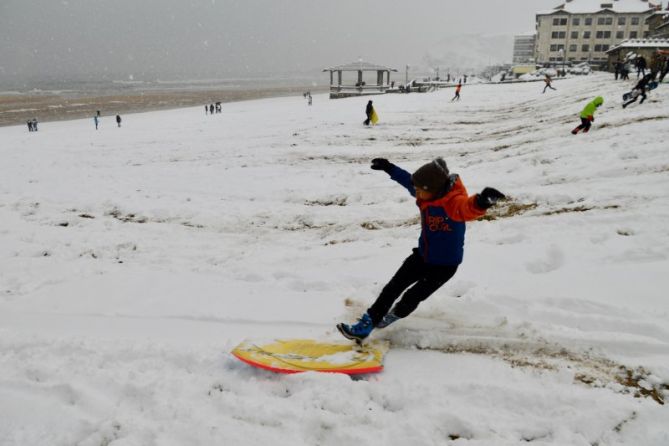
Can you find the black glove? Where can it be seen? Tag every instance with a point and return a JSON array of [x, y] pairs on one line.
[[382, 164], [488, 197]]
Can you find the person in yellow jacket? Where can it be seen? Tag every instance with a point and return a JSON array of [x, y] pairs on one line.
[[588, 115]]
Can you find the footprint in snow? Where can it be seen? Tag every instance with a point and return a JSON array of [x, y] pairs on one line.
[[554, 260]]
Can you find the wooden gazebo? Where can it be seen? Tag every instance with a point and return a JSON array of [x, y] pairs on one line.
[[360, 87]]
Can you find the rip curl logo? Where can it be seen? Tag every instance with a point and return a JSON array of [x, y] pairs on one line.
[[435, 223]]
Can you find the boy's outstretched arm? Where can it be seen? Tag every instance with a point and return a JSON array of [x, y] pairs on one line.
[[462, 207], [396, 173]]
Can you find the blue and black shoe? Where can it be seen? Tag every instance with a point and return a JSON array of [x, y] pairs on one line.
[[358, 331], [387, 320]]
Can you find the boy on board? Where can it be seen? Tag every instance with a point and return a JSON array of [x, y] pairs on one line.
[[445, 207]]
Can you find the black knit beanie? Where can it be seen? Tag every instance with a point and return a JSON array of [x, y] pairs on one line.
[[431, 177]]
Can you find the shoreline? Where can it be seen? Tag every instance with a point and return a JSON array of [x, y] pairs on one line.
[[16, 109]]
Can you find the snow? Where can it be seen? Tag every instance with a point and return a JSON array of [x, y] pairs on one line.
[[134, 259]]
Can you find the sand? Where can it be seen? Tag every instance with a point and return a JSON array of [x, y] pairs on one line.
[[18, 108]]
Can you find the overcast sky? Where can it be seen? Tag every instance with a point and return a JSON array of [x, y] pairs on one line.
[[220, 38]]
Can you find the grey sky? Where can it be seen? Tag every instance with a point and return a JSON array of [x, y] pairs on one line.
[[221, 38]]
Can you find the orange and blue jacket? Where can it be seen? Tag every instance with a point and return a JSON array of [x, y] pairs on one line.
[[442, 236]]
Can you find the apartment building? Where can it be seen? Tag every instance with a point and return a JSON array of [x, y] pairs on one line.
[[584, 30], [523, 48]]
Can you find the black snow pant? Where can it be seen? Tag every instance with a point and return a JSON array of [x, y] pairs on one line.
[[425, 278], [585, 125], [548, 86], [369, 118]]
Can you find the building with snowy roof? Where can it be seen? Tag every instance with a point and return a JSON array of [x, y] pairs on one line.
[[343, 89], [584, 30], [653, 50]]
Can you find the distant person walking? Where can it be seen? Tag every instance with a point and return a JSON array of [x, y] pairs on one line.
[[211, 109], [206, 109], [457, 92], [30, 125], [641, 66], [96, 120], [118, 120], [34, 121], [368, 111], [617, 70], [548, 81], [588, 115]]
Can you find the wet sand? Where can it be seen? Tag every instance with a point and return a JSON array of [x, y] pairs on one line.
[[16, 109]]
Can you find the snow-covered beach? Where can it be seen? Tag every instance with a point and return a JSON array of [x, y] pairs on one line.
[[134, 259]]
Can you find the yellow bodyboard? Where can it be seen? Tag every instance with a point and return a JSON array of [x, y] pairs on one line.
[[302, 355], [375, 117]]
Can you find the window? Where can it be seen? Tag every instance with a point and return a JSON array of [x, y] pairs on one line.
[[598, 48], [620, 34], [635, 20], [553, 48], [556, 22], [633, 34], [645, 34], [621, 20], [605, 47], [599, 34], [575, 21], [563, 22], [609, 21], [552, 59], [586, 34], [603, 35], [554, 35], [573, 48], [607, 34], [600, 20], [588, 21], [560, 47], [574, 34], [585, 48]]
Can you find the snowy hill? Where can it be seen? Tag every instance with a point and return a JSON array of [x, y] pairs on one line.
[[134, 259]]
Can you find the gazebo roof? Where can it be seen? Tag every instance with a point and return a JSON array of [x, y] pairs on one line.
[[359, 66]]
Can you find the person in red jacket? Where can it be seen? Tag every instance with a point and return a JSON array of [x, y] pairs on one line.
[[457, 92], [444, 206]]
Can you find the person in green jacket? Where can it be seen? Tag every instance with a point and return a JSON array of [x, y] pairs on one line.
[[588, 115]]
